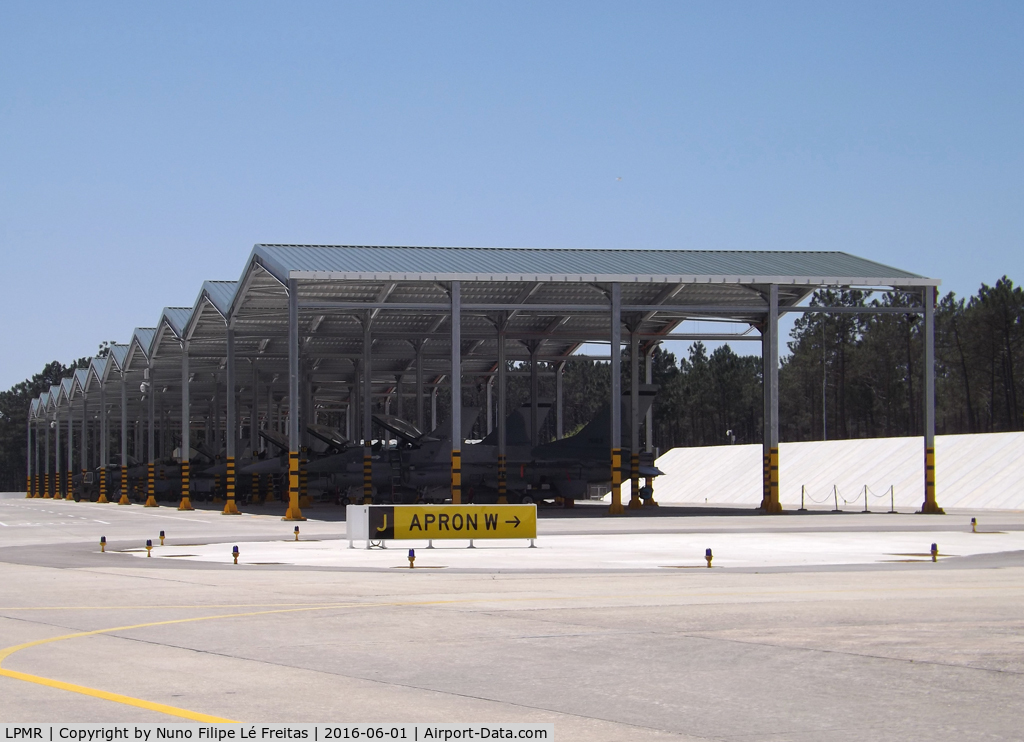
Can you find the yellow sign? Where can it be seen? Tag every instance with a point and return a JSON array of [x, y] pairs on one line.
[[452, 521]]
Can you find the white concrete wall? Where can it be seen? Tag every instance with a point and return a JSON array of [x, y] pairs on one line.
[[972, 471]]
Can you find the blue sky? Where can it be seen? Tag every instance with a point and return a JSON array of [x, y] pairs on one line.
[[146, 147]]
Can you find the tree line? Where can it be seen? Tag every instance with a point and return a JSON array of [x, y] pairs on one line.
[[844, 376]]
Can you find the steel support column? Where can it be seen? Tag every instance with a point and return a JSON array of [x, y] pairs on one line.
[[104, 443], [186, 423], [456, 382], [770, 350], [83, 451], [649, 421], [150, 439], [634, 421], [69, 486], [559, 401], [616, 400], [37, 484], [367, 390], [419, 385], [230, 427], [46, 476], [534, 394], [254, 414], [124, 441], [930, 504], [293, 512], [28, 456], [57, 493], [502, 416]]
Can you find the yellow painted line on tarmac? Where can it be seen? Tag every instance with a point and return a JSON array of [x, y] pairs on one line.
[[196, 716], [115, 697]]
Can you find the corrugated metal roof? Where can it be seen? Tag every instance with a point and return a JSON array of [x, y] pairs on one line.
[[118, 352], [177, 318], [81, 374], [98, 367], [533, 264], [144, 336], [65, 388], [221, 294]]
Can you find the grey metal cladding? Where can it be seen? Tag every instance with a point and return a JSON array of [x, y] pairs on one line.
[[495, 264]]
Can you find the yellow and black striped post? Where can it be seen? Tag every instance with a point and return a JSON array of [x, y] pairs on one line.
[[634, 482], [151, 486], [186, 489], [456, 476], [502, 480], [367, 477], [229, 507], [103, 485], [766, 480], [616, 507], [293, 512], [71, 486], [773, 482], [256, 497], [46, 486], [28, 486], [930, 505], [124, 487], [304, 500]]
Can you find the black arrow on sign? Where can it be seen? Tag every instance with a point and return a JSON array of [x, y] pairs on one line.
[[516, 521]]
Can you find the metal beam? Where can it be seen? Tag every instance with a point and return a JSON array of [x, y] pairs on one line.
[[456, 385], [293, 512], [616, 400], [930, 504]]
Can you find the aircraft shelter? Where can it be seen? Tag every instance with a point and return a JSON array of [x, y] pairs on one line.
[[310, 330]]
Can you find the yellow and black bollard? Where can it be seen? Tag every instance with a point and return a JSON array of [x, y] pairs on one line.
[[974, 525], [151, 486], [456, 476], [186, 501], [103, 544], [161, 538], [304, 500], [296, 533], [935, 552], [412, 558], [234, 553], [103, 485], [367, 477], [124, 487], [616, 500], [149, 547], [502, 480], [229, 507], [294, 512], [708, 557]]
